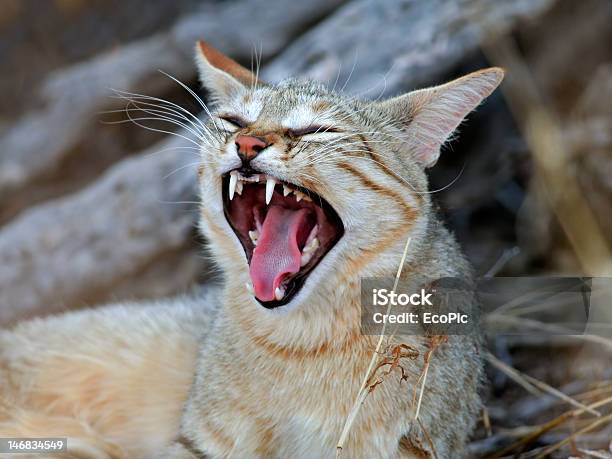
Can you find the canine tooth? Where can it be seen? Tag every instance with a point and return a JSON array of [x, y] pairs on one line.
[[286, 190], [279, 293], [254, 235], [232, 184], [305, 258], [239, 187], [311, 246], [249, 287], [313, 233], [270, 183]]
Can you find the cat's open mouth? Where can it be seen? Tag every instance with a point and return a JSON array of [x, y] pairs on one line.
[[285, 230]]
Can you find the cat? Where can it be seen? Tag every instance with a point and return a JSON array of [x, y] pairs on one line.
[[304, 191]]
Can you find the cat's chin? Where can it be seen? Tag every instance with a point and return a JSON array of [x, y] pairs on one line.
[[285, 230]]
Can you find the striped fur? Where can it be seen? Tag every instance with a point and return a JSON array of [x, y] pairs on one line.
[[243, 381]]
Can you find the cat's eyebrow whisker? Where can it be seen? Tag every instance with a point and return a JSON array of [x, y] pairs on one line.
[[141, 99], [337, 77], [257, 67], [162, 131], [162, 109], [154, 111], [131, 96], [149, 128], [168, 110], [382, 92], [351, 72], [167, 118], [162, 116], [200, 101]]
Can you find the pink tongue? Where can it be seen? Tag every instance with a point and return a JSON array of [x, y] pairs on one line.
[[277, 254]]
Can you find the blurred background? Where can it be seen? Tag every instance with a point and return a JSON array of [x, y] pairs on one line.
[[94, 210]]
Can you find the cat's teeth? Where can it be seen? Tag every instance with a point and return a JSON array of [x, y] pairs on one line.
[[312, 235], [279, 293], [286, 190], [254, 235], [311, 247], [299, 196], [239, 187], [270, 183], [232, 184], [249, 288], [305, 259]]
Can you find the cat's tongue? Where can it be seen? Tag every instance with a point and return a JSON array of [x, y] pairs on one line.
[[277, 253]]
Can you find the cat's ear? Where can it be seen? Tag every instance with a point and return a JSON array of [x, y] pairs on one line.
[[428, 117], [219, 74]]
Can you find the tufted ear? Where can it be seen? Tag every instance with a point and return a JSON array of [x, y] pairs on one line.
[[219, 74], [429, 116]]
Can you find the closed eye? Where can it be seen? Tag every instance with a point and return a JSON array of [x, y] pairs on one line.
[[311, 130], [235, 121]]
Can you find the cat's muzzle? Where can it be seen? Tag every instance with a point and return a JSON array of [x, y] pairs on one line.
[[285, 230]]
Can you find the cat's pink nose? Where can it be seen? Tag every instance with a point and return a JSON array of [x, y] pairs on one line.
[[249, 147]]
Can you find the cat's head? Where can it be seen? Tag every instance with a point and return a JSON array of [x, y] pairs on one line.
[[304, 188]]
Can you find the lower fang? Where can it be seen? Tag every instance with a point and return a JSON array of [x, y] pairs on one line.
[[306, 257], [249, 288], [313, 233], [279, 293], [254, 235], [311, 246]]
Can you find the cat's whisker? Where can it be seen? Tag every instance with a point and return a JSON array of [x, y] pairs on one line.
[[169, 117], [165, 120], [134, 97], [438, 190], [333, 89], [161, 131], [178, 169], [159, 115], [198, 99], [382, 92], [139, 99], [351, 72], [167, 110], [183, 147], [257, 66]]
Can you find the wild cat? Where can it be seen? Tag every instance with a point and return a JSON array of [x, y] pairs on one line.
[[304, 191]]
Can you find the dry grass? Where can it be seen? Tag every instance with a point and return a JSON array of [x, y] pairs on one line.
[[527, 422]]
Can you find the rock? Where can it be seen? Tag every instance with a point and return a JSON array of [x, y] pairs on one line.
[[119, 236]]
